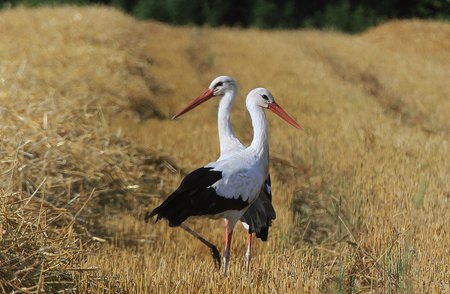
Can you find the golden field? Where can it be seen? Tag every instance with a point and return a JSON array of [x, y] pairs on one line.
[[87, 148]]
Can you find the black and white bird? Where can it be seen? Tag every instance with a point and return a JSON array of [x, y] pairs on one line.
[[226, 188], [259, 216]]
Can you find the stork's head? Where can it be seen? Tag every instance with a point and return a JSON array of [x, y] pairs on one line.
[[261, 97], [218, 87]]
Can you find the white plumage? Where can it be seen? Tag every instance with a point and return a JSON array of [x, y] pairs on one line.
[[228, 186], [259, 216]]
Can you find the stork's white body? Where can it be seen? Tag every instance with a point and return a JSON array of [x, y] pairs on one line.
[[243, 175]]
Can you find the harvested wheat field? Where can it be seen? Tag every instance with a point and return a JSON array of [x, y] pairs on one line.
[[87, 148]]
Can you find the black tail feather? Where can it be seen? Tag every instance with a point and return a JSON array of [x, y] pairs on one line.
[[259, 216]]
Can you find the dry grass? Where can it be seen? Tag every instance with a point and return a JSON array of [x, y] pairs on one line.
[[362, 195]]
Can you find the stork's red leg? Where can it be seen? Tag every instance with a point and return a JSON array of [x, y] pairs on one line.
[[248, 254], [226, 255]]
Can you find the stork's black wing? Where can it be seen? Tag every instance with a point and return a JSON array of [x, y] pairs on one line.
[[195, 197]]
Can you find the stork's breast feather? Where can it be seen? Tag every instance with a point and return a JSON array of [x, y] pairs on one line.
[[245, 184]]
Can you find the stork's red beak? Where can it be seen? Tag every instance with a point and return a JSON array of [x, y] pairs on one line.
[[199, 100], [275, 108]]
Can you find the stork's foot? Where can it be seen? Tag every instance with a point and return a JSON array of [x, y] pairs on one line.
[[214, 252], [216, 256]]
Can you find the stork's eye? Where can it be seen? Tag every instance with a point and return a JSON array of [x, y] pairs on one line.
[[265, 97], [218, 84]]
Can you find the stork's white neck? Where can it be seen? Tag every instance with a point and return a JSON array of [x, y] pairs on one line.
[[227, 138], [260, 143]]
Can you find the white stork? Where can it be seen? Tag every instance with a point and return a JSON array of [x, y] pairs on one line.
[[227, 187], [258, 217]]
